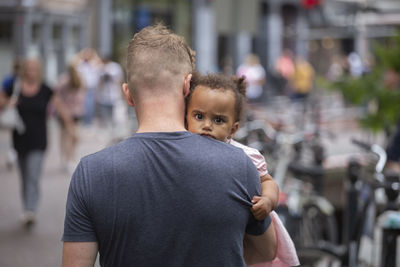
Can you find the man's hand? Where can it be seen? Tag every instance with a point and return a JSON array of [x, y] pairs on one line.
[[262, 206]]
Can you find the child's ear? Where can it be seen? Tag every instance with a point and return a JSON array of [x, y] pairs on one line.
[[186, 84], [234, 128], [127, 94]]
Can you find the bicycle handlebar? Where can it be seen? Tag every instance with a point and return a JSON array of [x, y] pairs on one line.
[[382, 157], [361, 144], [376, 149]]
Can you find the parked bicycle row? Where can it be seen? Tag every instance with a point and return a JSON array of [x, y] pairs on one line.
[[366, 232]]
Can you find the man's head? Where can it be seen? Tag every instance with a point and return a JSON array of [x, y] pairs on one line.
[[157, 62]]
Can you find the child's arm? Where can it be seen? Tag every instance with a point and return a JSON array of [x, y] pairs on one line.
[[264, 204]]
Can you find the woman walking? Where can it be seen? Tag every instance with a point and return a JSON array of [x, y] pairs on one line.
[[33, 100]]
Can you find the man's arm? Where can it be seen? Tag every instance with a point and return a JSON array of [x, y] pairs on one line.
[[79, 254], [260, 248]]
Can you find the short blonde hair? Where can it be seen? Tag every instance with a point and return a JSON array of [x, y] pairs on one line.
[[156, 57]]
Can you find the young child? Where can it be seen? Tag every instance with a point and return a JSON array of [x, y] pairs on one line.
[[214, 107]]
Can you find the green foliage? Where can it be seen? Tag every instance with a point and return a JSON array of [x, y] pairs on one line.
[[389, 55], [381, 104]]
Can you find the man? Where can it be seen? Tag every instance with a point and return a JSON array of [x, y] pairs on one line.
[[163, 197]]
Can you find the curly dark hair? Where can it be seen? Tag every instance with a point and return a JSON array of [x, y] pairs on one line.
[[219, 81]]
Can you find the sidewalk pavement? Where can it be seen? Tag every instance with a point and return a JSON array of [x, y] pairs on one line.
[[41, 245]]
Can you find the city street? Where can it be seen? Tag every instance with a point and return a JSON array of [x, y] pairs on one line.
[[42, 246], [317, 75]]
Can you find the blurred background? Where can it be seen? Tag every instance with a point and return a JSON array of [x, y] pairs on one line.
[[329, 70], [216, 29]]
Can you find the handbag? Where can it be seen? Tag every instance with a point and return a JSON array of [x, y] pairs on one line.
[[9, 116]]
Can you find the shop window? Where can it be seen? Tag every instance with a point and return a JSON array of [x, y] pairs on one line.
[[56, 32], [5, 31], [36, 32]]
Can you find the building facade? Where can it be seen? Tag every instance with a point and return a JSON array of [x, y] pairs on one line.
[[217, 29], [50, 30], [309, 28]]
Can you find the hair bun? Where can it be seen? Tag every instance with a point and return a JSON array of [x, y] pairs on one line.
[[241, 84]]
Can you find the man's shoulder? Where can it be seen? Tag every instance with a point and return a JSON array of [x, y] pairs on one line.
[[193, 144], [107, 151], [218, 145]]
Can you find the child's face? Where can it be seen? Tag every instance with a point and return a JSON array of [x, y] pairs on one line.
[[212, 113]]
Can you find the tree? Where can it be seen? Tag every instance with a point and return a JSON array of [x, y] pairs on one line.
[[378, 90]]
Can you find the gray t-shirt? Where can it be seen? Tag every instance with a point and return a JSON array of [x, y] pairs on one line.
[[164, 199]]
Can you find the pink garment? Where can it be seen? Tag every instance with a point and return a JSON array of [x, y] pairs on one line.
[[73, 98], [254, 155], [285, 67], [286, 252]]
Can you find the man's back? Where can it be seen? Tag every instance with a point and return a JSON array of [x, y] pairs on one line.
[[164, 199]]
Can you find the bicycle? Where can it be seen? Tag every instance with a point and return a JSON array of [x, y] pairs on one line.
[[360, 218], [312, 216], [308, 216]]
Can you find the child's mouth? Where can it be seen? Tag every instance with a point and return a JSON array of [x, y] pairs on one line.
[[208, 135]]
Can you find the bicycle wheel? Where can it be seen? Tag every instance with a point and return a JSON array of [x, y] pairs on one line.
[[314, 257], [315, 225]]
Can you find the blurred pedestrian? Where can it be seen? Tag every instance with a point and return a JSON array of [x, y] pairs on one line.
[[9, 79], [88, 65], [30, 145], [109, 92], [392, 82], [72, 93], [356, 65], [8, 82], [164, 196], [227, 66], [284, 69], [393, 150], [302, 84], [255, 77], [302, 79], [336, 69]]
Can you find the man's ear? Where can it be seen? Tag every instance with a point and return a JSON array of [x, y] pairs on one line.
[[234, 128], [127, 94], [186, 84]]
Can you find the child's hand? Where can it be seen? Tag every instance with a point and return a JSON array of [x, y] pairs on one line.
[[262, 206]]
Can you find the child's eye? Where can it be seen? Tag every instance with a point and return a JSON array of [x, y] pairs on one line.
[[198, 116], [218, 120]]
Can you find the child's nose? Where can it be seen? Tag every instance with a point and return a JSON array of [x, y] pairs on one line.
[[207, 124]]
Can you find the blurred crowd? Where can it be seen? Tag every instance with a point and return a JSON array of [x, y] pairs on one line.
[[292, 75], [87, 93]]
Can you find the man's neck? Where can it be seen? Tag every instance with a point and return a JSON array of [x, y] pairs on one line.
[[162, 115]]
